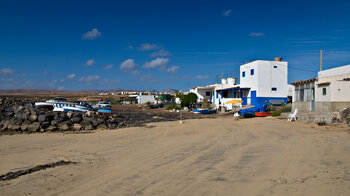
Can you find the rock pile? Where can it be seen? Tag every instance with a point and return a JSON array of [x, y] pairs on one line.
[[22, 116]]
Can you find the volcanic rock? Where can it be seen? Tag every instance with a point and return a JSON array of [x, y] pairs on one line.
[[34, 127]]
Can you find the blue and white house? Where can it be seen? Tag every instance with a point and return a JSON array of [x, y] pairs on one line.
[[261, 83]]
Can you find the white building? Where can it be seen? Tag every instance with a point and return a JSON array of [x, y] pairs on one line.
[[261, 83], [142, 99], [330, 92]]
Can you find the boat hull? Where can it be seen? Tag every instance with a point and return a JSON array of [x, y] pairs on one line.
[[44, 105], [204, 111], [262, 114], [65, 107]]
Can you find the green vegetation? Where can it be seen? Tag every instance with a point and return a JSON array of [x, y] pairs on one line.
[[276, 113], [188, 100], [166, 97], [114, 102], [287, 109], [173, 106], [281, 109]]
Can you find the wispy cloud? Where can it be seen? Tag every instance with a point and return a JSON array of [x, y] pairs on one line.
[[256, 34], [156, 50], [135, 72], [202, 77], [156, 63], [128, 65], [227, 13], [71, 76], [147, 47], [173, 69], [89, 79], [148, 78], [107, 67], [90, 62], [6, 71], [160, 52], [91, 35]]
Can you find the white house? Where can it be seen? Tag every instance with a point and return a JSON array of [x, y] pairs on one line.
[[261, 83], [330, 92], [142, 99]]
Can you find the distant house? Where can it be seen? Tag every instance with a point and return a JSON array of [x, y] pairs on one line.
[[142, 99], [261, 83], [328, 93]]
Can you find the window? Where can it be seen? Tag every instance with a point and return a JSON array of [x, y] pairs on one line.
[[207, 93], [224, 94], [324, 91], [274, 89], [252, 72], [243, 74], [275, 66]]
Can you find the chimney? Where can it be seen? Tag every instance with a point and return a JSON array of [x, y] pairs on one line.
[[278, 58]]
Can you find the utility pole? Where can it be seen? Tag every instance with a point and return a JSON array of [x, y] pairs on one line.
[[321, 61]]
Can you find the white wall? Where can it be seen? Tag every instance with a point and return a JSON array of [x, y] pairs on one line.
[[265, 78], [337, 91], [335, 71], [145, 98]]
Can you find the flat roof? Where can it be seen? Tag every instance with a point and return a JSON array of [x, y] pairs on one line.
[[304, 81]]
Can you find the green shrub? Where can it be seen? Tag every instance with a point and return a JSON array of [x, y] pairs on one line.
[[287, 109], [173, 106], [276, 113]]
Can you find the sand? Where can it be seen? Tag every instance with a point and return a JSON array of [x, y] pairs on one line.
[[199, 157]]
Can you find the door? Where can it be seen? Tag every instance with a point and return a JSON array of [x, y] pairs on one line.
[[253, 98], [312, 102]]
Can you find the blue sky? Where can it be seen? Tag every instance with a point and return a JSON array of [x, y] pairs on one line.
[[142, 45]]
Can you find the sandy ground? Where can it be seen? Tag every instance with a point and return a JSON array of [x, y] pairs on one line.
[[200, 157]]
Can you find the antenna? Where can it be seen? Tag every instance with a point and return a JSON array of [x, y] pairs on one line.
[[321, 60]]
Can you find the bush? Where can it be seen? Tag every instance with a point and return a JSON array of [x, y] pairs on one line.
[[188, 100], [173, 106], [276, 113], [287, 109]]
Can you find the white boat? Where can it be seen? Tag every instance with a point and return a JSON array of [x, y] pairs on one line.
[[50, 103], [103, 105], [65, 107]]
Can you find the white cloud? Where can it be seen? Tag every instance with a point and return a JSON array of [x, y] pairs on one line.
[[88, 78], [135, 72], [91, 35], [107, 67], [202, 77], [6, 71], [128, 65], [227, 12], [157, 63], [45, 72], [173, 69], [160, 52], [147, 47], [90, 62], [256, 34], [71, 76]]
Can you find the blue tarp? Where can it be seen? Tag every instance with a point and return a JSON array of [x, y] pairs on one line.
[[252, 110]]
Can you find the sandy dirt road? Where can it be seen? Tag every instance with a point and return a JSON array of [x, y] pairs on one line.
[[200, 157]]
